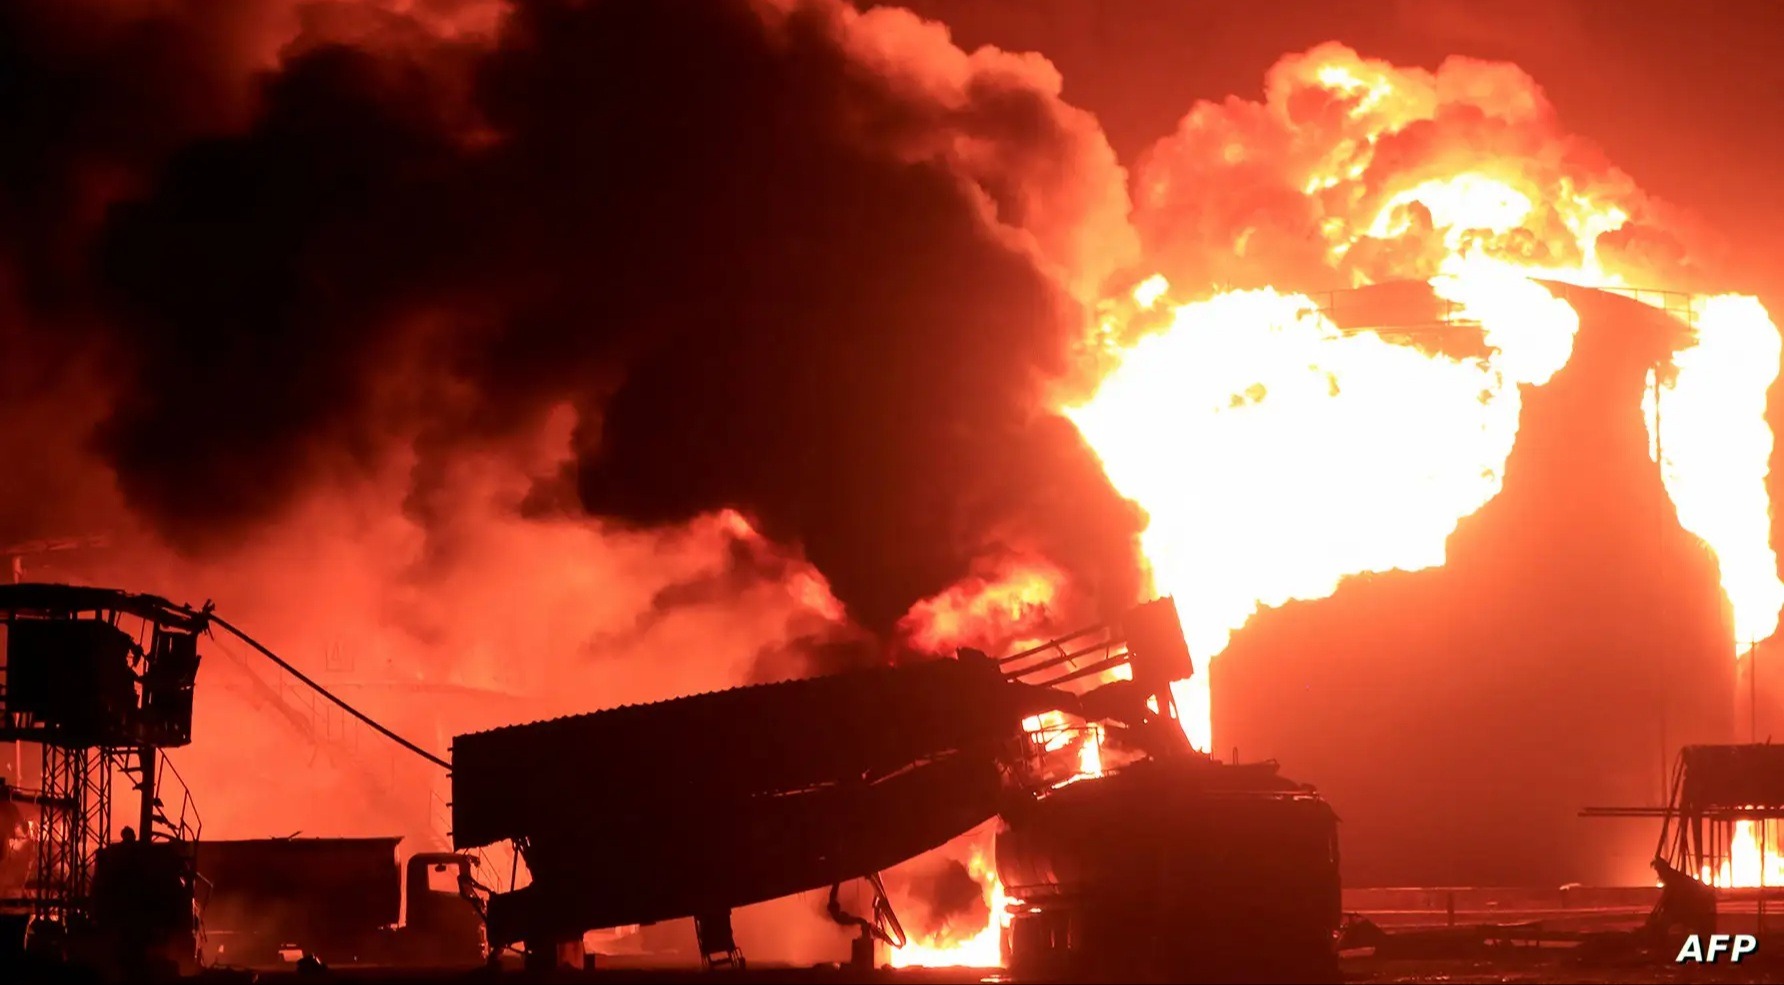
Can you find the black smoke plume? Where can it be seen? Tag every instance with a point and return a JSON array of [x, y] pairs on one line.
[[779, 256]]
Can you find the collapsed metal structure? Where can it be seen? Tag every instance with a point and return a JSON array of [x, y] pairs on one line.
[[1719, 832], [1728, 805], [695, 806], [741, 796], [698, 805], [1716, 789]]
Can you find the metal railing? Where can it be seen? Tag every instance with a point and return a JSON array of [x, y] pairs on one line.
[[188, 826]]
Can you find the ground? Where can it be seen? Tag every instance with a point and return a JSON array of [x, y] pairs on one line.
[[1552, 968], [1522, 965]]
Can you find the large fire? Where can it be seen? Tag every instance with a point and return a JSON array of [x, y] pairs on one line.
[[1753, 857], [983, 948], [1275, 447], [1277, 453]]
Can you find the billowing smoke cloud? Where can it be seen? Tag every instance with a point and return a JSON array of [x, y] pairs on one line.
[[435, 341], [954, 897], [811, 264], [1322, 182], [92, 101]]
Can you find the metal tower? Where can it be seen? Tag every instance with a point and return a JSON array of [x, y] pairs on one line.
[[102, 681]]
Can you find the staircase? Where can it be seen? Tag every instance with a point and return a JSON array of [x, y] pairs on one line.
[[183, 826], [334, 736], [343, 741]]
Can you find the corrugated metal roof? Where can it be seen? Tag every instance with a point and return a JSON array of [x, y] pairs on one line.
[[706, 748]]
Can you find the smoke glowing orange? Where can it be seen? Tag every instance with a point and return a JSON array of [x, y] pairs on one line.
[[1005, 601]]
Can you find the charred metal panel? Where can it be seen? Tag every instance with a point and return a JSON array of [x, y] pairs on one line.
[[74, 675], [712, 749], [1155, 643], [1732, 777]]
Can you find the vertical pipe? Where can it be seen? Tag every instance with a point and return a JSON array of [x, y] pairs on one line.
[[145, 758], [18, 746], [1764, 825], [1660, 542]]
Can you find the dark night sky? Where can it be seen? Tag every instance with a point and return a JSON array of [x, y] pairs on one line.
[[1682, 96]]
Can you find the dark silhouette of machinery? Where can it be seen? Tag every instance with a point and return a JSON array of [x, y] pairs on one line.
[[698, 805], [1718, 835], [102, 681], [343, 900], [683, 808], [1175, 869]]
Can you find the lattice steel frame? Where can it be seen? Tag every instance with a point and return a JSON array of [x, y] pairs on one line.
[[75, 786], [74, 823]]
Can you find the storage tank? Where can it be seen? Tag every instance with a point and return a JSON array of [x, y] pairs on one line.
[[1184, 869], [1460, 717]]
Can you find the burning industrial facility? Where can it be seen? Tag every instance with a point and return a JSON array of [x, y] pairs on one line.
[[632, 483]]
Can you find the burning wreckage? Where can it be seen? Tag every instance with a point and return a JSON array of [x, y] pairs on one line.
[[742, 796], [1173, 864]]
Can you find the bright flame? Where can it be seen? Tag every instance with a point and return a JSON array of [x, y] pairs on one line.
[[1294, 450], [1051, 732], [1749, 863], [1531, 330], [1715, 449], [1707, 429], [1457, 206], [983, 949], [1005, 600], [1150, 290], [1090, 753], [1276, 454]]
